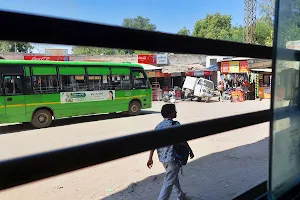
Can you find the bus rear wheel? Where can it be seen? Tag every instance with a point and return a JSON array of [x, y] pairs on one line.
[[134, 108], [41, 118]]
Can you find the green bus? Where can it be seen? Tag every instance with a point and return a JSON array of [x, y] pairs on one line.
[[41, 91]]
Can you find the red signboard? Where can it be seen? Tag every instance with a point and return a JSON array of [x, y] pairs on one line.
[[147, 59], [237, 96], [207, 73], [243, 65], [189, 73], [52, 58], [225, 67]]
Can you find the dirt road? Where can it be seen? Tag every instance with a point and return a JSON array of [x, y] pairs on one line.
[[224, 166]]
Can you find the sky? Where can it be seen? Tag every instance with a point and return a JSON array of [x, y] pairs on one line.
[[168, 15]]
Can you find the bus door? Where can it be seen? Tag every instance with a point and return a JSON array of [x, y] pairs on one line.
[[14, 97]]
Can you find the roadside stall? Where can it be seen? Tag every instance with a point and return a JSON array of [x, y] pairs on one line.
[[156, 92], [177, 79], [203, 74], [263, 77], [214, 76], [234, 74]]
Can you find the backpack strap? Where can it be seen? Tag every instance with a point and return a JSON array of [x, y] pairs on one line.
[[174, 123]]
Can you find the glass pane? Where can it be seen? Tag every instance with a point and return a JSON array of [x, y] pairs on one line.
[[285, 171]]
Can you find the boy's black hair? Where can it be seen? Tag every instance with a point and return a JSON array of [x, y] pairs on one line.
[[167, 110]]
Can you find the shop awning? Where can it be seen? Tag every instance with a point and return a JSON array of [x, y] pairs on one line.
[[148, 67], [212, 68], [262, 70]]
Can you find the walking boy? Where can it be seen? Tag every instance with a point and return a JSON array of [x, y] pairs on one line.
[[166, 156]]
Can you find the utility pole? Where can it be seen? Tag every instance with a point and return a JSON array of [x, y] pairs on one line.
[[249, 21]]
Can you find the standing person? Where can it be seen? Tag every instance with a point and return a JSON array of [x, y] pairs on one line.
[[186, 94], [166, 156], [221, 89]]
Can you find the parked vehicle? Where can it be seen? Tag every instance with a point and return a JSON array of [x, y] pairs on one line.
[[226, 95], [169, 97], [200, 88]]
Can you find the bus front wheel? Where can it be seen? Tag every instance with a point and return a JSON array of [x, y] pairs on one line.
[[41, 119], [134, 108]]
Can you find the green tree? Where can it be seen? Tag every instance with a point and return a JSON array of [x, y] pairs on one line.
[[184, 31], [215, 26], [92, 51], [265, 24], [266, 10], [139, 22], [24, 47], [9, 46], [236, 34], [263, 32], [4, 46]]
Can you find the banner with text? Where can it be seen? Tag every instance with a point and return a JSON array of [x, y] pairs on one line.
[[162, 59], [147, 59], [86, 96], [48, 58], [234, 67]]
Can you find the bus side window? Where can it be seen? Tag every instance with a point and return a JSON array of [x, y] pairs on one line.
[[72, 83], [139, 79], [106, 82], [94, 82], [45, 84], [121, 82], [13, 85]]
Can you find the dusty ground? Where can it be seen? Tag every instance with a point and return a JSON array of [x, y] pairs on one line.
[[224, 166]]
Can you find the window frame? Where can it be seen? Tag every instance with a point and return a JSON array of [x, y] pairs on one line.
[[19, 171], [61, 75], [22, 86], [111, 77], [145, 77], [108, 76], [50, 91]]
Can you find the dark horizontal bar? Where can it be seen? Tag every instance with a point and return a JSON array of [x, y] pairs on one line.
[[258, 192], [293, 193], [32, 28], [27, 169]]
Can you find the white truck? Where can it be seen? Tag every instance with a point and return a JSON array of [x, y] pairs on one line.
[[199, 88]]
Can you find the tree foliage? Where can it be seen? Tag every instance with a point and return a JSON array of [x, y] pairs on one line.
[[184, 31], [267, 9], [139, 22], [264, 32], [93, 51], [236, 34], [265, 24], [215, 26], [9, 46]]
